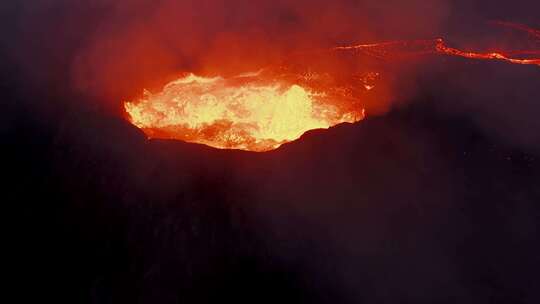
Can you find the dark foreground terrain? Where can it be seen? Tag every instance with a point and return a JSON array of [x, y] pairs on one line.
[[427, 204]]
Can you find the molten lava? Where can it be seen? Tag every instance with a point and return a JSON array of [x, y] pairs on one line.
[[261, 111], [238, 113], [393, 49], [443, 49]]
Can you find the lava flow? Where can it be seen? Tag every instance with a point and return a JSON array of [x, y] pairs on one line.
[[261, 111], [388, 50], [242, 112]]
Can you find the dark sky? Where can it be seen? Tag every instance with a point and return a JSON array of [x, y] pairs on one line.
[[434, 201]]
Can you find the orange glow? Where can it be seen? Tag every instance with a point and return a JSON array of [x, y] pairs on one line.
[[263, 110], [393, 49], [443, 49], [242, 112]]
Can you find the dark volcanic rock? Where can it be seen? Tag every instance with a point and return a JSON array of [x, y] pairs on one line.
[[404, 208]]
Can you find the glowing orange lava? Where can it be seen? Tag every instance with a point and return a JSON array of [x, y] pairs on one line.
[[442, 48], [436, 46], [393, 49], [261, 111], [238, 113]]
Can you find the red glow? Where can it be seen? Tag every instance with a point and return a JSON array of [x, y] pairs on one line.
[[262, 110], [437, 46]]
